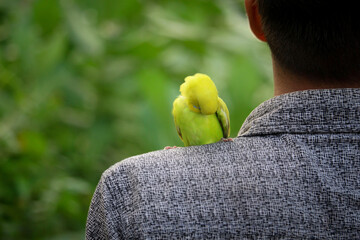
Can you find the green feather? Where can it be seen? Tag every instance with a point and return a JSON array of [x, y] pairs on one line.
[[196, 128]]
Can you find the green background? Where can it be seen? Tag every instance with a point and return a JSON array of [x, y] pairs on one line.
[[85, 84]]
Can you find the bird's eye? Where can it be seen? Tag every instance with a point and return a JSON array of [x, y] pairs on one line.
[[196, 107]]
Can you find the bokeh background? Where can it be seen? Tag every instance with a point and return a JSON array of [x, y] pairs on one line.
[[87, 83]]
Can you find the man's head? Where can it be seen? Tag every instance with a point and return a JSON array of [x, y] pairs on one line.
[[310, 38]]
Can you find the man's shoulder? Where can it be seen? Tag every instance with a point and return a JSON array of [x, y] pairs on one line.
[[178, 156], [216, 190], [243, 151]]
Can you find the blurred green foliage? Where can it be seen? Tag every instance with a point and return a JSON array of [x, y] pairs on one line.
[[87, 83]]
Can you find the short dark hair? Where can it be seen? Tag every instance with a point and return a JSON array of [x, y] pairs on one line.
[[313, 38]]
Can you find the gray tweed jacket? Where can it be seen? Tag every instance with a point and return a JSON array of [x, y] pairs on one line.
[[292, 173]]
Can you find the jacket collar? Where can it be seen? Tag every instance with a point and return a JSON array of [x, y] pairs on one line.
[[310, 111]]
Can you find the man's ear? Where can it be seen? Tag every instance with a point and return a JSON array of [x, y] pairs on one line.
[[254, 17]]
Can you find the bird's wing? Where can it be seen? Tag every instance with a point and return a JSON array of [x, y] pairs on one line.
[[178, 129], [178, 105], [223, 116]]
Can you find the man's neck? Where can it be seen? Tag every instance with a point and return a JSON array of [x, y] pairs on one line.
[[285, 82]]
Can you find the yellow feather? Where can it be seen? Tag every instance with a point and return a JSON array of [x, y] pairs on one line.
[[201, 93], [200, 116]]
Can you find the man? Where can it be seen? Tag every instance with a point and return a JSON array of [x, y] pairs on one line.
[[293, 171]]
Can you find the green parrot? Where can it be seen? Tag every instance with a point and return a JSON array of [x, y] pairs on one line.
[[201, 117]]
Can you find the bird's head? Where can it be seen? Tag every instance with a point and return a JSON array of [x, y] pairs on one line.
[[200, 93]]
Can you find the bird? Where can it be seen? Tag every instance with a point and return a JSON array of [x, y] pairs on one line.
[[200, 115]]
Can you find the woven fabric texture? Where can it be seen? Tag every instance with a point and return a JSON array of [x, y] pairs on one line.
[[291, 173]]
